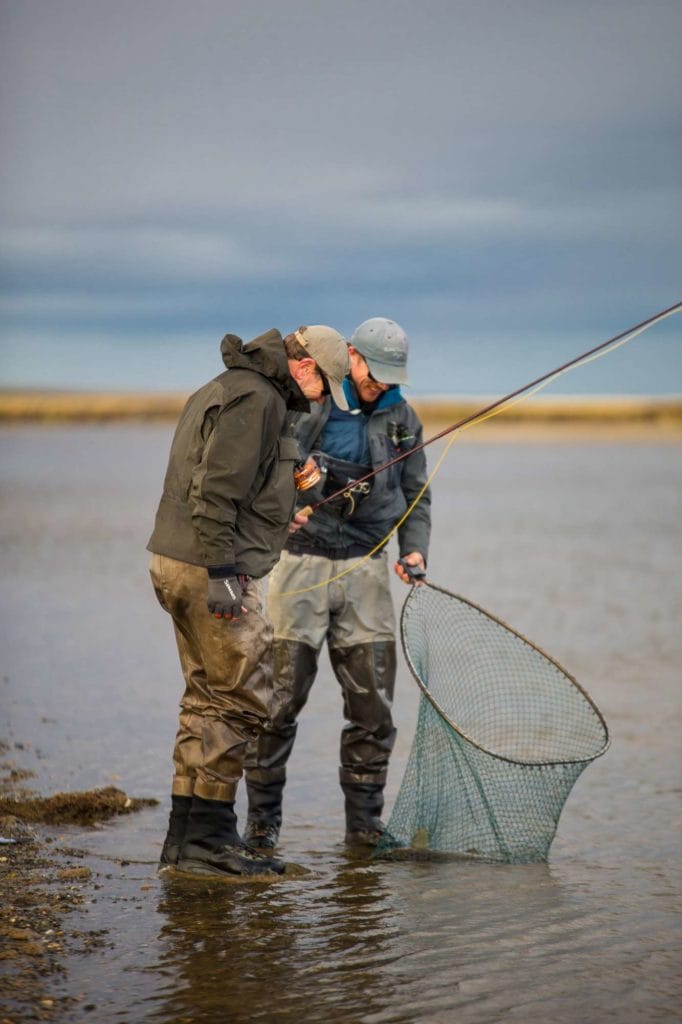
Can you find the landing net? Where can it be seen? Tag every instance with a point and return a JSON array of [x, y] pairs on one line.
[[503, 732]]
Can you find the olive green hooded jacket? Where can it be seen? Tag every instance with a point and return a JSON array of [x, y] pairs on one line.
[[229, 495]]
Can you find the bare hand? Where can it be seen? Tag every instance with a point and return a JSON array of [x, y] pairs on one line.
[[300, 519], [414, 559]]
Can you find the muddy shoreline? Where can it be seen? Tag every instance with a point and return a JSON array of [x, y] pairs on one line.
[[42, 882]]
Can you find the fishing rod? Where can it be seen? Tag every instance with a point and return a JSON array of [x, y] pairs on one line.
[[487, 409]]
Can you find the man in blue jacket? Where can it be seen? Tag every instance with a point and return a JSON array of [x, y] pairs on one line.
[[355, 613]]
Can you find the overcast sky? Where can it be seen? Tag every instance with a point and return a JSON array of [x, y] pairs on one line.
[[502, 178]]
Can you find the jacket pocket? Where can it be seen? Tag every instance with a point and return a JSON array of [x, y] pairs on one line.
[[276, 500], [288, 449]]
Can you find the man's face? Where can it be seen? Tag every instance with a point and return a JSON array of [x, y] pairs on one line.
[[311, 382], [367, 387]]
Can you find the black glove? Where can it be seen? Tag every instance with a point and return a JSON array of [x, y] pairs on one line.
[[224, 596]]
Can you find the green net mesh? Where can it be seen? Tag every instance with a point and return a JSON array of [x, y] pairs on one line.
[[502, 734]]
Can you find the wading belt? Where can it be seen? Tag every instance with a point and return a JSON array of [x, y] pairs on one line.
[[335, 554]]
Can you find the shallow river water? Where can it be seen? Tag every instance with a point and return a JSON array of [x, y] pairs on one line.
[[576, 544]]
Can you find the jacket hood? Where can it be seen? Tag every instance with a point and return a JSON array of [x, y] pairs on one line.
[[265, 355]]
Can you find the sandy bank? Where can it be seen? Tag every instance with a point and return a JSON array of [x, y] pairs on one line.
[[539, 417]]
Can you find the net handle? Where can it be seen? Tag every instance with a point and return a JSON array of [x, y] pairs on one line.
[[500, 622]]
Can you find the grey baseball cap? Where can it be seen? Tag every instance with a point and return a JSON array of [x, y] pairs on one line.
[[329, 349], [383, 344]]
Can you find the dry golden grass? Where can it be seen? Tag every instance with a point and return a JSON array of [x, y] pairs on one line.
[[557, 417], [88, 406], [535, 417]]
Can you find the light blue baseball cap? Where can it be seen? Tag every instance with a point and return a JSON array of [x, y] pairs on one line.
[[383, 345]]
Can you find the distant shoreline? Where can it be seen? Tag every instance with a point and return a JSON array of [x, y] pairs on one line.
[[584, 414]]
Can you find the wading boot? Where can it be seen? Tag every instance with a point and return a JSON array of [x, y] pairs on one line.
[[261, 837], [212, 845], [177, 823], [366, 836], [264, 789], [364, 804]]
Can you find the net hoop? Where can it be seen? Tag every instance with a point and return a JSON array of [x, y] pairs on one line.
[[552, 661]]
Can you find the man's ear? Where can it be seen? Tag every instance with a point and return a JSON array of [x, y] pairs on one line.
[[300, 367]]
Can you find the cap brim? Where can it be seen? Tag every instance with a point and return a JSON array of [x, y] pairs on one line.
[[386, 373], [338, 394]]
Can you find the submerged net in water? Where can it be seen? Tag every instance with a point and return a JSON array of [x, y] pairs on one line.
[[503, 732]]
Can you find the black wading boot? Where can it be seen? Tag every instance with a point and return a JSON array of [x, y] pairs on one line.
[[261, 837], [264, 819], [177, 823], [364, 804], [212, 845]]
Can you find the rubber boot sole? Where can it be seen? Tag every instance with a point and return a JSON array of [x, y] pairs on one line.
[[205, 868]]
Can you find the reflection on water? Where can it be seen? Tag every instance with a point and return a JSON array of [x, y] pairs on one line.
[[365, 943], [347, 948], [306, 952], [577, 546]]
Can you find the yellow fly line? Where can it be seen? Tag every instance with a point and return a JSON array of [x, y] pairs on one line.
[[456, 431]]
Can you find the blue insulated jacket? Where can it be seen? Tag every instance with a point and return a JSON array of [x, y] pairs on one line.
[[373, 437]]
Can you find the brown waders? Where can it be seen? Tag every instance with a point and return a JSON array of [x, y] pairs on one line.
[[228, 680]]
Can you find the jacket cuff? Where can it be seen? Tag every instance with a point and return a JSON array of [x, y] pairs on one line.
[[219, 572]]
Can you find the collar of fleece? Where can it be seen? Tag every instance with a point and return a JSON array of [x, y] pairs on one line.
[[388, 398]]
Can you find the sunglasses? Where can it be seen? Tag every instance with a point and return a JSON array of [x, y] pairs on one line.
[[371, 376]]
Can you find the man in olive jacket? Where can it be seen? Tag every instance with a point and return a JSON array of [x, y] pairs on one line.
[[223, 518]]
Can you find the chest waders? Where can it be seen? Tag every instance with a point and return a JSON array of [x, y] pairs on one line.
[[366, 674]]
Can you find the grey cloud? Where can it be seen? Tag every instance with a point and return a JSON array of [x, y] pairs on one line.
[[166, 251], [122, 104], [269, 158]]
